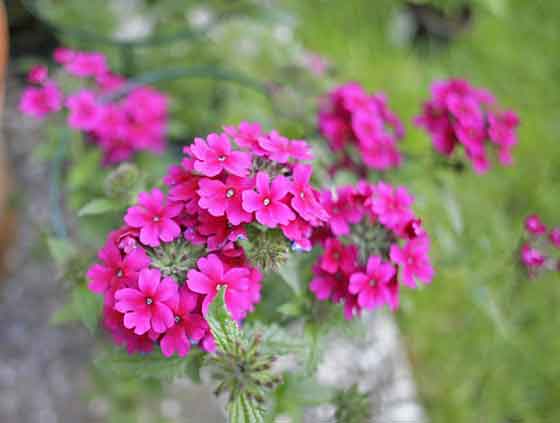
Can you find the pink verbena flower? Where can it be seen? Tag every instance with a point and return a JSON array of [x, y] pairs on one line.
[[351, 119], [459, 114], [211, 275], [247, 135], [342, 209], [305, 199], [84, 109], [413, 260], [86, 64], [337, 257], [38, 74], [215, 154], [63, 55], [534, 225], [155, 218], [391, 205], [267, 202], [554, 237], [148, 306], [38, 102], [221, 198], [372, 286], [188, 325], [531, 257], [363, 239], [116, 270]]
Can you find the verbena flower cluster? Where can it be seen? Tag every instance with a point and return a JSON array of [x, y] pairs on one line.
[[119, 122], [541, 248], [460, 114], [361, 129], [373, 244], [160, 271]]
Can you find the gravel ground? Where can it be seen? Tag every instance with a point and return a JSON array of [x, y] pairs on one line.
[[41, 366]]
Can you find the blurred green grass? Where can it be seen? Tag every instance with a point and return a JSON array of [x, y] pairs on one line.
[[482, 338]]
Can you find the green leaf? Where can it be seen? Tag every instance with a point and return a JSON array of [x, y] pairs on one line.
[[88, 306], [244, 410], [148, 366], [224, 329], [97, 206], [60, 249], [290, 274], [66, 313]]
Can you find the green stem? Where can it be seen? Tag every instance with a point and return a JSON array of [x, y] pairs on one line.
[[197, 71]]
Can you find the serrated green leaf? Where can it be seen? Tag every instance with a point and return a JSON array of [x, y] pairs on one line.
[[97, 206], [88, 306], [148, 366], [61, 250], [224, 329], [244, 410]]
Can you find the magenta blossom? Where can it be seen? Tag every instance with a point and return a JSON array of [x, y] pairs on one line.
[[86, 64], [532, 257], [221, 198], [304, 199], [211, 275], [337, 256], [459, 114], [38, 74], [188, 325], [116, 270], [534, 225], [149, 306], [41, 101], [154, 217], [215, 155], [391, 205], [372, 286], [413, 261], [267, 202], [554, 237], [85, 112]]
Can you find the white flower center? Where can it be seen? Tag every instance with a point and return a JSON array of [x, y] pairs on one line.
[[230, 193], [149, 301], [221, 158], [266, 201], [156, 219]]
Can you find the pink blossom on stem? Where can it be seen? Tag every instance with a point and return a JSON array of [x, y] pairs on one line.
[[267, 202], [155, 218], [414, 261], [148, 306], [188, 325], [211, 275], [534, 225], [38, 102], [371, 287], [221, 198], [215, 155]]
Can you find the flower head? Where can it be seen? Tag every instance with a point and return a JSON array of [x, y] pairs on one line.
[[215, 155], [148, 307], [266, 202], [460, 114], [351, 119], [155, 218], [373, 245]]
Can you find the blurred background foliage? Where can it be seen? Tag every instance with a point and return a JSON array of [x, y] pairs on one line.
[[482, 339]]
